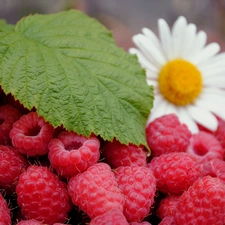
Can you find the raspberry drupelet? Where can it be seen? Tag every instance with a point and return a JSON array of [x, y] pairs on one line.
[[113, 216], [31, 135], [34, 222], [141, 223], [29, 222], [72, 153], [168, 220]]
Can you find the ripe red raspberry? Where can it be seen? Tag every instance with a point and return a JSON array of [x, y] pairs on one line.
[[202, 203], [72, 153], [113, 216], [34, 222], [117, 154], [8, 115], [166, 134], [29, 222], [214, 168], [205, 147], [5, 218], [96, 191], [141, 223], [42, 196], [175, 171], [167, 206], [31, 135], [168, 220], [219, 133], [12, 164], [138, 185]]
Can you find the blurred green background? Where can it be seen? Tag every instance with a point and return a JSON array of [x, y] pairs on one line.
[[126, 17]]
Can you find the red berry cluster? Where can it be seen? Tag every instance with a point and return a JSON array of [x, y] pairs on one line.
[[53, 176]]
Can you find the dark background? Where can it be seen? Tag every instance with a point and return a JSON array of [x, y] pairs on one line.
[[126, 17]]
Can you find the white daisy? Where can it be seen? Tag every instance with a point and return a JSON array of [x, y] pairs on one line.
[[188, 76]]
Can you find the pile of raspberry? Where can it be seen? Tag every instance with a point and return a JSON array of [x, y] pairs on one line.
[[52, 176]]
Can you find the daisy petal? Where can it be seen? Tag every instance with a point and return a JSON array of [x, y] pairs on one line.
[[158, 111], [165, 37], [152, 82], [148, 33], [149, 49], [213, 71], [158, 100], [216, 61], [189, 39], [171, 109], [143, 61], [207, 52], [218, 110], [201, 39], [214, 90], [203, 117], [198, 44], [217, 81], [151, 75], [185, 118], [213, 97], [214, 65], [178, 32]]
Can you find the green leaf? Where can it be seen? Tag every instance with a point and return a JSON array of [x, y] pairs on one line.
[[69, 68], [4, 25]]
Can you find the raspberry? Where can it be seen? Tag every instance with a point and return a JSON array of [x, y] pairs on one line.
[[29, 222], [219, 133], [33, 222], [5, 218], [215, 168], [8, 115], [167, 206], [12, 164], [96, 191], [168, 220], [175, 171], [111, 217], [72, 153], [31, 135], [139, 186], [166, 134], [117, 154], [202, 203], [205, 147], [142, 223], [42, 196]]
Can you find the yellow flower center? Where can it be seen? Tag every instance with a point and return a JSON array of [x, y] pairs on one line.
[[180, 82]]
